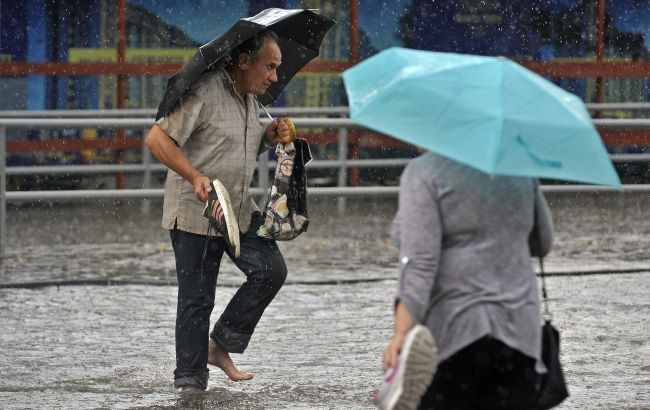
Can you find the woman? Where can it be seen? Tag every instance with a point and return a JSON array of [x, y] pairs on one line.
[[466, 274]]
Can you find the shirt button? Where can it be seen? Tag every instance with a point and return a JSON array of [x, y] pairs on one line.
[[405, 260]]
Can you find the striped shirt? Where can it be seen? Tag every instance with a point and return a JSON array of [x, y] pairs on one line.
[[220, 134]]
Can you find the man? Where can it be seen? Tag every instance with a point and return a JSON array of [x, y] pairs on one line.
[[214, 133]]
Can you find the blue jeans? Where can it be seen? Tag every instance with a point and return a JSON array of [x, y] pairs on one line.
[[265, 270]]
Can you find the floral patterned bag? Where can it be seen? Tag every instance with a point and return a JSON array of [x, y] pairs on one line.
[[285, 214]]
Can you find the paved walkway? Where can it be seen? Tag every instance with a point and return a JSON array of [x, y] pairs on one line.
[[317, 346], [319, 343]]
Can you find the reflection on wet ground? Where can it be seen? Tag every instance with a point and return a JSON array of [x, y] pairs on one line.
[[319, 343]]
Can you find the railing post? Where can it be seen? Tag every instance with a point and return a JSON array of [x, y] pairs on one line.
[[146, 180], [341, 202], [3, 194]]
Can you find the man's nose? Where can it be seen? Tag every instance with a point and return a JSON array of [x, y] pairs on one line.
[[274, 77]]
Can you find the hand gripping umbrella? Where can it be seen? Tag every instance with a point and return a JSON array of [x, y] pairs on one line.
[[300, 32]]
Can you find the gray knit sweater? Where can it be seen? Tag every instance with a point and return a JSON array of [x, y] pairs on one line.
[[465, 264]]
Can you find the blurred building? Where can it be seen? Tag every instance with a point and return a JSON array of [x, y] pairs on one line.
[[86, 31]]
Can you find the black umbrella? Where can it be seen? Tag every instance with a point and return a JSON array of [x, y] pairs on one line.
[[300, 32]]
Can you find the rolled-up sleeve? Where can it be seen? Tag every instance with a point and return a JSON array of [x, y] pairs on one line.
[[184, 118], [418, 232]]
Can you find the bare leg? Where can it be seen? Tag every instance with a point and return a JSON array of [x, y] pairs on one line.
[[217, 356]]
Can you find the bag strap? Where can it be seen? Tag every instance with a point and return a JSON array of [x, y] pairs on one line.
[[546, 314]]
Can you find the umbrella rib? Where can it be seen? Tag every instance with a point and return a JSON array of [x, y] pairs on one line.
[[299, 45], [553, 95]]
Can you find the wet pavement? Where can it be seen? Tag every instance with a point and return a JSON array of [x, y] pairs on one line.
[[70, 341]]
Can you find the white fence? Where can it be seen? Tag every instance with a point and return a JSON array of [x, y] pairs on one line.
[[143, 119]]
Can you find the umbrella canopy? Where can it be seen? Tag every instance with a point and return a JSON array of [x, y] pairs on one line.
[[486, 112], [300, 32]]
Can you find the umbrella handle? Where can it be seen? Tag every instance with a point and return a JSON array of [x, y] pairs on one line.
[[549, 163], [264, 108]]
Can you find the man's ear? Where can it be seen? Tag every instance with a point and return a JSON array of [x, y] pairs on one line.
[[244, 60]]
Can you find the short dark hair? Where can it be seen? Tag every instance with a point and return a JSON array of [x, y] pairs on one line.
[[253, 44]]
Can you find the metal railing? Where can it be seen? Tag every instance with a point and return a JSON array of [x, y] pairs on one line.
[[623, 106], [151, 113], [132, 119], [313, 111]]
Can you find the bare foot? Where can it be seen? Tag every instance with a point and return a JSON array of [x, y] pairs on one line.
[[217, 356]]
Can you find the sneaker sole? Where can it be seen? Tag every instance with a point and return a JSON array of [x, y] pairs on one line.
[[229, 216], [190, 390], [417, 362]]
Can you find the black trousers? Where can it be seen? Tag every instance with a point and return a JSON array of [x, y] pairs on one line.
[[487, 374], [262, 263]]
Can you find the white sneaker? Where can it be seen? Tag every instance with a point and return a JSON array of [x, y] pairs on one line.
[[404, 385], [219, 211]]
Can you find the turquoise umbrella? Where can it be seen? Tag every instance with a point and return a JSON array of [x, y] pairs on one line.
[[486, 112]]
